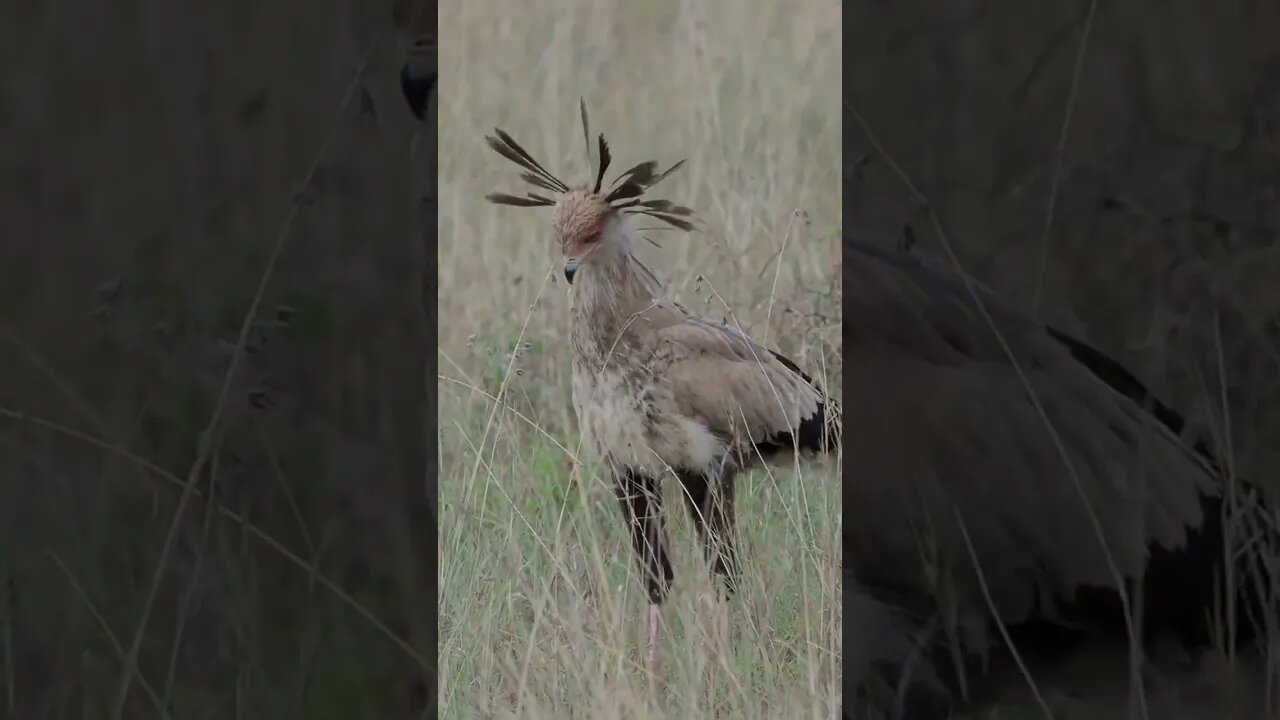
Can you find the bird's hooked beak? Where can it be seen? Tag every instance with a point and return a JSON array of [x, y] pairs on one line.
[[570, 268]]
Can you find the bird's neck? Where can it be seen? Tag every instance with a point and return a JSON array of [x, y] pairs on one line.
[[608, 295]]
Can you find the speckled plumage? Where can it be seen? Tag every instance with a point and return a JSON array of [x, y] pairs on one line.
[[657, 387]]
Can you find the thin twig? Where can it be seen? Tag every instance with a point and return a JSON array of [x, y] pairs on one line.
[[1055, 163], [777, 270], [188, 597], [106, 629], [995, 613]]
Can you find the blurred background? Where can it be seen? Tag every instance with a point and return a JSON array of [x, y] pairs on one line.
[[541, 611], [1161, 249], [1113, 168], [154, 157]]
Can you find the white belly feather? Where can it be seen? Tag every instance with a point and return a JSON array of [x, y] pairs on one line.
[[646, 436]]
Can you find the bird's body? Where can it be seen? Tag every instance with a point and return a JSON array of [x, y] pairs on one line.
[[657, 387], [1056, 505], [624, 407], [999, 468], [658, 390]]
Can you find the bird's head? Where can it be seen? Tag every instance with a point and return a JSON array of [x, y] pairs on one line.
[[590, 223], [585, 224]]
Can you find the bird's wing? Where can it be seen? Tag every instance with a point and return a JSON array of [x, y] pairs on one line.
[[733, 385], [949, 441]]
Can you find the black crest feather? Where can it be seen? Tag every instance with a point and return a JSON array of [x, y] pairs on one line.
[[604, 163], [529, 200], [625, 192], [511, 150]]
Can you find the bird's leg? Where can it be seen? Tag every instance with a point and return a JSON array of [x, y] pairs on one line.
[[641, 500], [710, 503], [652, 657]]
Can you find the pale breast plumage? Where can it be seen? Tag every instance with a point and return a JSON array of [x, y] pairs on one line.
[[638, 429]]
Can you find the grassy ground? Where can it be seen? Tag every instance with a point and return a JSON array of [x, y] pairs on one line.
[[541, 614]]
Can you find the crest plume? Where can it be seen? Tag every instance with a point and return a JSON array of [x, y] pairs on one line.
[[624, 193]]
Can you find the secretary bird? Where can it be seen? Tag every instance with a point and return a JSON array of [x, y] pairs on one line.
[[656, 388], [999, 468]]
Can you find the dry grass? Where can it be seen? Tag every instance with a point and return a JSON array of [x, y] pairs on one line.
[[540, 608]]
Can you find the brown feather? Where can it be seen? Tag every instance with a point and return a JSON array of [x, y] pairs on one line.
[[531, 200], [507, 147], [669, 219], [663, 176], [639, 180], [538, 181], [625, 191], [586, 128], [665, 206], [734, 386], [604, 163], [636, 173], [955, 430]]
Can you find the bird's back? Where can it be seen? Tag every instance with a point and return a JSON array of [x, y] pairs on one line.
[[957, 487], [988, 440], [663, 385]]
